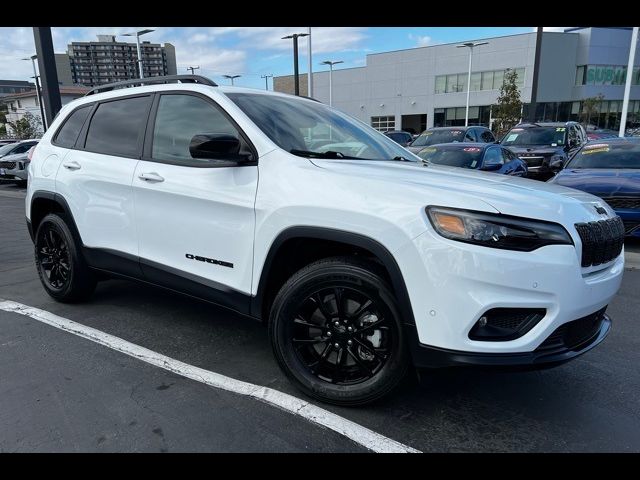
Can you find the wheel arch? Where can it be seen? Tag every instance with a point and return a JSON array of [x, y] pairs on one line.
[[43, 203], [337, 237]]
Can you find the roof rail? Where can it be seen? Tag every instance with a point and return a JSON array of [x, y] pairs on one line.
[[152, 81]]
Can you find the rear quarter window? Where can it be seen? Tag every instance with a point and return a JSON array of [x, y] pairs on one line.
[[68, 133]]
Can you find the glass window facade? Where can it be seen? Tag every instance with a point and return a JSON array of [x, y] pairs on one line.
[[383, 123], [490, 80]]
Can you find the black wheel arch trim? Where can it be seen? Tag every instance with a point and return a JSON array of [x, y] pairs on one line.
[[342, 236], [62, 202]]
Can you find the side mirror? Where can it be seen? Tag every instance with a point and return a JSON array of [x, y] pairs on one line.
[[217, 146]]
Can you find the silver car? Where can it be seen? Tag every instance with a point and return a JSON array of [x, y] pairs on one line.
[[14, 167]]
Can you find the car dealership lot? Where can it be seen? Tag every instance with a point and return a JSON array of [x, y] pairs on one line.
[[59, 392]]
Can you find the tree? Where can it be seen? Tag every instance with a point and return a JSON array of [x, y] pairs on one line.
[[26, 127], [591, 108], [508, 110], [3, 131]]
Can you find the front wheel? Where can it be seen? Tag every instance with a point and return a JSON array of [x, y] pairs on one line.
[[337, 333]]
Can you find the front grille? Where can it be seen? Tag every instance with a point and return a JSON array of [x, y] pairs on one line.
[[632, 203], [533, 161], [602, 241], [629, 227], [8, 165], [575, 334]]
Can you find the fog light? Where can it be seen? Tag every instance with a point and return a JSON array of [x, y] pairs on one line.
[[503, 324]]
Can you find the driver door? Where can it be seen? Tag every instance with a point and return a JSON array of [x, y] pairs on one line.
[[195, 218]]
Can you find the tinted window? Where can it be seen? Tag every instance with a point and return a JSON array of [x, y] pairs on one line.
[[467, 157], [432, 137], [179, 119], [607, 155], [493, 156], [487, 137], [117, 127], [5, 150], [22, 148], [68, 134], [470, 136]]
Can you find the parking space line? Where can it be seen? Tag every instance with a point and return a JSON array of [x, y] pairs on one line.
[[357, 433]]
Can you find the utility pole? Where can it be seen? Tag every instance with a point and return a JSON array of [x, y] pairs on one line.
[[533, 104], [193, 69], [138, 34], [48, 72], [470, 46], [331, 64], [266, 80], [232, 77], [38, 91]]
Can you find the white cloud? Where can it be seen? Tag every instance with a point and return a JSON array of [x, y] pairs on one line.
[[551, 29], [421, 40]]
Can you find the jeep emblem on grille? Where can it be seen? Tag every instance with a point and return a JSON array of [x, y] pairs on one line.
[[601, 210]]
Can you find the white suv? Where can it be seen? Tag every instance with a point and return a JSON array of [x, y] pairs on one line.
[[361, 259]]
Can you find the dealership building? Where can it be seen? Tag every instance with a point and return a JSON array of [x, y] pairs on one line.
[[426, 87]]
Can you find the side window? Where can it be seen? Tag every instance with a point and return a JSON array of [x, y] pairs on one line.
[[487, 136], [581, 134], [22, 148], [179, 119], [117, 127], [68, 133], [507, 155], [493, 156], [572, 136], [470, 136]]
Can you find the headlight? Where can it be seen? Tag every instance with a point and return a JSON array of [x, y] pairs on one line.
[[496, 230]]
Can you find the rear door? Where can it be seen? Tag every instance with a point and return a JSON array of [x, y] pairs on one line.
[[195, 217], [95, 176]]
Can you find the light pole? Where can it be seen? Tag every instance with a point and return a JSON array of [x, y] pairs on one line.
[[138, 34], [627, 85], [231, 77], [310, 62], [193, 69], [266, 80], [35, 76], [331, 64], [470, 46], [295, 36]]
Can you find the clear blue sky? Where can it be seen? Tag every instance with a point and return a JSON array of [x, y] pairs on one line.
[[248, 51]]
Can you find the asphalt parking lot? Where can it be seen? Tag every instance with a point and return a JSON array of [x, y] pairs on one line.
[[60, 392]]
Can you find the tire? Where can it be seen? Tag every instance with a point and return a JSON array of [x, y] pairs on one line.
[[356, 361], [61, 267]]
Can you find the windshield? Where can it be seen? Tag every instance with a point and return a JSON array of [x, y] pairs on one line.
[[608, 155], [7, 148], [468, 157], [548, 136], [431, 137], [312, 129]]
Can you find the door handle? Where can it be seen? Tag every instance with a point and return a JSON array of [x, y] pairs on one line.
[[72, 165], [151, 177]]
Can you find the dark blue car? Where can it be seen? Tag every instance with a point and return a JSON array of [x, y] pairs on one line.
[[610, 169], [476, 156]]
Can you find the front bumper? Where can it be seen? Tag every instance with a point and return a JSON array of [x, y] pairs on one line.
[[451, 285], [558, 352]]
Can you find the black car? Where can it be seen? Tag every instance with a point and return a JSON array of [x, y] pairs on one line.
[[433, 136], [475, 156], [400, 136], [545, 147]]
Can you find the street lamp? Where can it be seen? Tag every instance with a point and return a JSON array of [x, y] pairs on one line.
[[138, 34], [295, 36], [231, 77], [35, 76], [331, 64], [470, 46], [266, 80]]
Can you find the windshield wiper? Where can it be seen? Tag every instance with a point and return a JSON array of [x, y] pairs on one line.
[[327, 154], [401, 159]]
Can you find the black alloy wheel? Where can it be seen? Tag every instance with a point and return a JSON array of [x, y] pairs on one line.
[[53, 256]]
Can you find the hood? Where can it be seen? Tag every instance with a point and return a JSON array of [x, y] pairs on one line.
[[415, 149], [544, 150], [440, 185], [18, 157], [600, 181]]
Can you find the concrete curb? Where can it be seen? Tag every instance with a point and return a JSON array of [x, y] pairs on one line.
[[632, 260]]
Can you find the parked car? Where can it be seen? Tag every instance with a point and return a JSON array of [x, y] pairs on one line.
[[600, 134], [361, 259], [433, 136], [15, 167], [17, 147], [7, 141], [609, 169], [545, 146], [476, 156], [400, 137]]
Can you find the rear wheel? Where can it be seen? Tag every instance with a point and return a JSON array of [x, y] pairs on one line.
[[61, 267], [337, 333]]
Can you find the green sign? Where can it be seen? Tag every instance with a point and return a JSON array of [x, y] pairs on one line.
[[606, 75]]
